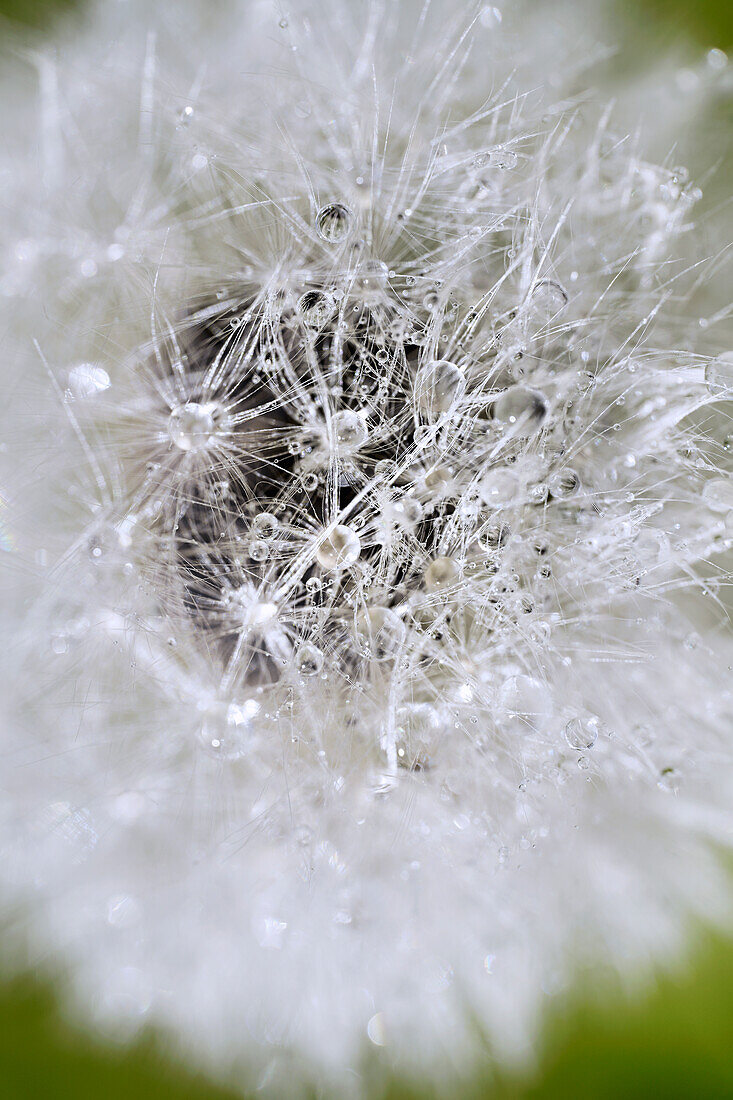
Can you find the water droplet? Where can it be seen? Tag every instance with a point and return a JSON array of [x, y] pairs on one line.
[[339, 549], [439, 384], [334, 222], [718, 494], [548, 299], [719, 373], [86, 380], [259, 550], [194, 426], [582, 733], [350, 431], [265, 526], [376, 1029], [226, 728], [371, 279], [379, 633], [490, 17], [506, 159], [564, 483], [500, 486], [315, 307], [438, 480], [520, 407], [309, 660], [440, 573]]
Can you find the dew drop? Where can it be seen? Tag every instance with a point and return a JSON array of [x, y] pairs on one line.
[[350, 431], [520, 406], [439, 384], [548, 299], [718, 494], [440, 573], [339, 549], [719, 373], [582, 733], [506, 159], [371, 279], [564, 483], [499, 487], [86, 380], [315, 307], [309, 660], [194, 426], [380, 633], [334, 222], [265, 526], [259, 550]]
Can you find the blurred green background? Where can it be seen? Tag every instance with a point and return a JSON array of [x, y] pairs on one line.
[[676, 1042]]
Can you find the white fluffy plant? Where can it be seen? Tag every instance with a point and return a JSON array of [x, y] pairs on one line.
[[366, 510]]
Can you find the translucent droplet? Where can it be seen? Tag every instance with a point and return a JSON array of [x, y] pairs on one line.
[[440, 573], [86, 380], [582, 733], [309, 660], [438, 480], [505, 159], [265, 526], [520, 407], [225, 730], [564, 483], [350, 431], [718, 494], [719, 373], [371, 279], [495, 535], [193, 426], [315, 307], [334, 222], [439, 384], [380, 633], [417, 728], [259, 550], [339, 549], [548, 299], [499, 487]]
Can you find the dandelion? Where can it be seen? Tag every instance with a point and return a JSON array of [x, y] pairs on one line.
[[371, 536]]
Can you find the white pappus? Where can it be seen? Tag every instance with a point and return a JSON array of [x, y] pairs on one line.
[[367, 515]]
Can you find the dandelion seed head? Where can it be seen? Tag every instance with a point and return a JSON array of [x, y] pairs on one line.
[[381, 488]]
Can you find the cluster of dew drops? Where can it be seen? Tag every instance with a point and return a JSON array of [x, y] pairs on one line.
[[361, 474]]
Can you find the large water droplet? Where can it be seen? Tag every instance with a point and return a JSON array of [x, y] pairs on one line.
[[564, 483], [520, 408], [379, 633], [315, 308], [719, 373], [350, 431], [439, 384], [334, 222], [194, 426], [718, 494], [309, 660], [440, 573], [371, 279], [547, 299], [339, 549], [499, 487], [582, 733], [86, 380], [265, 526]]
